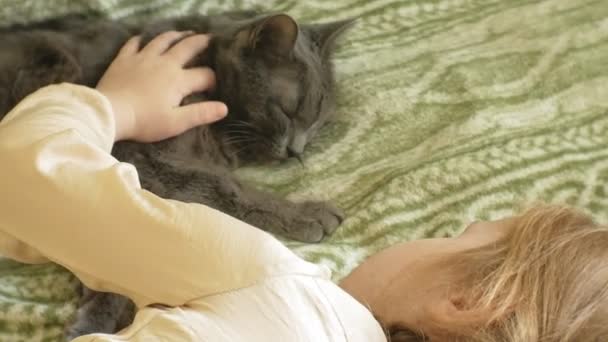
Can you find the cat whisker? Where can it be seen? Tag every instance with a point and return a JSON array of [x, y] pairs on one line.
[[246, 126], [237, 152], [240, 133], [238, 141], [243, 125], [243, 136], [249, 133], [243, 132], [262, 138], [236, 138]]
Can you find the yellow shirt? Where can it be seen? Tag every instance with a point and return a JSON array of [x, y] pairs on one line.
[[66, 199]]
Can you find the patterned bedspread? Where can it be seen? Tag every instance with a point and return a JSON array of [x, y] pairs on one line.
[[449, 111]]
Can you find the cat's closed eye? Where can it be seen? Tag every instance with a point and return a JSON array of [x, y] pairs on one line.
[[282, 109]]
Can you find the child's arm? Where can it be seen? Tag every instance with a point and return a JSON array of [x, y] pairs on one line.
[[66, 199]]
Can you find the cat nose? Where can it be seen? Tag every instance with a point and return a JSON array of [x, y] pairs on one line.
[[297, 143], [291, 153]]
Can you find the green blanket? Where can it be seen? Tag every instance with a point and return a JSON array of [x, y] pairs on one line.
[[449, 111]]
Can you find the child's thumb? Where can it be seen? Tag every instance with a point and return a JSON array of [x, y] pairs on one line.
[[199, 113]]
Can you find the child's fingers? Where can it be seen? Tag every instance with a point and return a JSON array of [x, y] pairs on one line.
[[196, 114], [198, 80], [131, 47], [188, 48], [161, 43]]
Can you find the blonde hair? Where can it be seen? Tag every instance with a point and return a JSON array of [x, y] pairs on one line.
[[545, 281]]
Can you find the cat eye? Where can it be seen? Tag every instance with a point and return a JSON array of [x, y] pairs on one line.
[[286, 112], [279, 108]]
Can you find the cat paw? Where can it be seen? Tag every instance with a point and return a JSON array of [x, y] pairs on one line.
[[314, 221]]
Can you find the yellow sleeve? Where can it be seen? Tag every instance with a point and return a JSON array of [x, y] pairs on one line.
[[66, 199]]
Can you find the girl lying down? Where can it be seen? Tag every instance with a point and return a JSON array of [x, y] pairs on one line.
[[197, 274]]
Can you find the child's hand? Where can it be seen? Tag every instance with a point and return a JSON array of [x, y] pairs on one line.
[[146, 88]]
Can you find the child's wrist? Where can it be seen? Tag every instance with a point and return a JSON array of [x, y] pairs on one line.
[[124, 118]]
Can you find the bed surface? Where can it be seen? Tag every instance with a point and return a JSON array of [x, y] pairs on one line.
[[449, 111]]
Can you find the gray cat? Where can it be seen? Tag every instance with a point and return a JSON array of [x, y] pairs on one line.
[[276, 78]]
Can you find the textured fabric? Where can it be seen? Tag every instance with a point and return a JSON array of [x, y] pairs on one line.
[[226, 281], [449, 111]]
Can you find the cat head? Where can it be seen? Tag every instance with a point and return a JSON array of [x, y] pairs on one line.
[[277, 79]]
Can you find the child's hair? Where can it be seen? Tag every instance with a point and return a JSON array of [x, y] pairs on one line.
[[546, 280]]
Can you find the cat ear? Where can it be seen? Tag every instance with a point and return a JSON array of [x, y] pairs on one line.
[[275, 36], [325, 35]]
